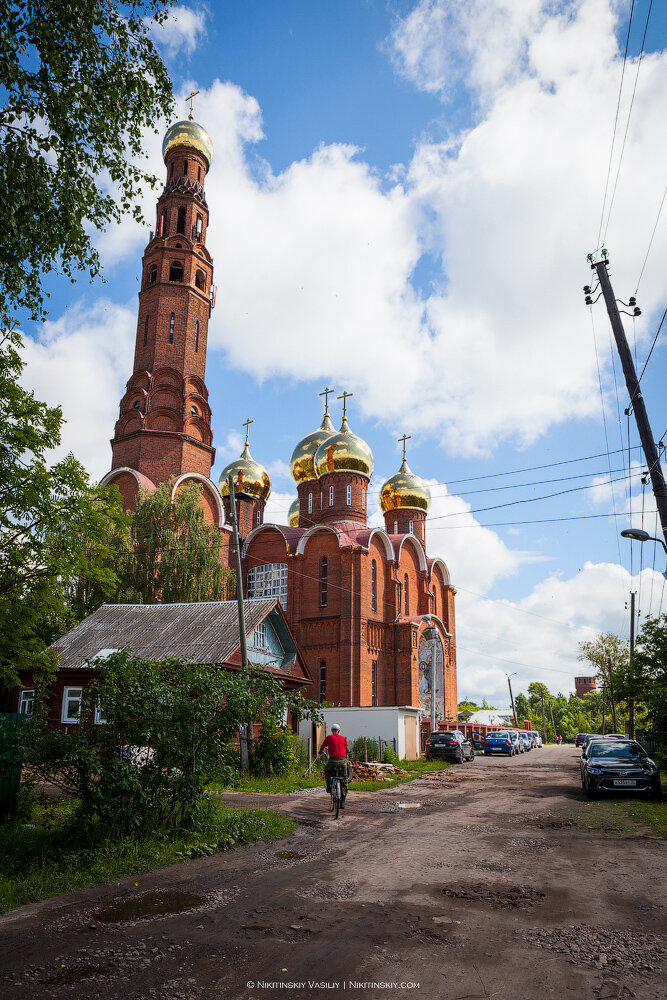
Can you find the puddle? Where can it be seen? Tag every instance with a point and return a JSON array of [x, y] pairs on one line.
[[511, 897], [151, 904], [289, 855]]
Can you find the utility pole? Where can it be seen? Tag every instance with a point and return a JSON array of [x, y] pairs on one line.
[[553, 724], [604, 720], [631, 701], [509, 684], [544, 721], [241, 613], [632, 383]]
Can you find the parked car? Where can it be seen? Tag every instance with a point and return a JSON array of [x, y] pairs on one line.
[[477, 741], [537, 739], [498, 742], [450, 745], [526, 738], [580, 739], [517, 742], [618, 766], [600, 736]]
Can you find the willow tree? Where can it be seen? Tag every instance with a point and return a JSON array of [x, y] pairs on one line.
[[173, 555]]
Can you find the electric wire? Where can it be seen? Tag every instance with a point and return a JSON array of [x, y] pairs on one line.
[[655, 339], [613, 137], [650, 242]]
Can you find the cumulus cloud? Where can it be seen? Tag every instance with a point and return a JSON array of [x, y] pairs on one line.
[[181, 32]]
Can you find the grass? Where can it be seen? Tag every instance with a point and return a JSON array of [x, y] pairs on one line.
[[297, 780], [47, 860], [623, 817]]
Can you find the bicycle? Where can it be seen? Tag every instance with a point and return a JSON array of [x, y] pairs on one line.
[[337, 789]]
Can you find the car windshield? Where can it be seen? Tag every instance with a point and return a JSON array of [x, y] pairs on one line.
[[443, 737], [625, 751], [498, 736]]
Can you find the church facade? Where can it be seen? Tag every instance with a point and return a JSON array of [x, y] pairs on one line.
[[372, 613]]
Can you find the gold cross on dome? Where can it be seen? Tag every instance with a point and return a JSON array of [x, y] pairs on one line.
[[345, 397], [247, 428], [406, 437], [190, 98], [327, 392]]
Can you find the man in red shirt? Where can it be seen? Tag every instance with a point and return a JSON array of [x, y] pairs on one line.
[[338, 751]]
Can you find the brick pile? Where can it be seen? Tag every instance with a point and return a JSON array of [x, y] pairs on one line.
[[375, 771]]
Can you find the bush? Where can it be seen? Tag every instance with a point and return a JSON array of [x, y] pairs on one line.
[[273, 752], [358, 748], [389, 756]]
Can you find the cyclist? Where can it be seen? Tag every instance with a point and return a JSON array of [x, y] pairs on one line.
[[338, 751]]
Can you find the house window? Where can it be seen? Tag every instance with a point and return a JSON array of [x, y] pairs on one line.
[[349, 496], [331, 496], [146, 331], [374, 682], [310, 503], [100, 716], [410, 526], [323, 582], [71, 705], [395, 527], [374, 585], [322, 692], [259, 637], [180, 222], [26, 701], [407, 594], [176, 271], [196, 336], [268, 580], [172, 320]]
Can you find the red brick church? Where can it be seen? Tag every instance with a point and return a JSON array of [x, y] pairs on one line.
[[357, 598]]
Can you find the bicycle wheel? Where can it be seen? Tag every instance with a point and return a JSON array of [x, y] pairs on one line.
[[333, 793], [336, 794]]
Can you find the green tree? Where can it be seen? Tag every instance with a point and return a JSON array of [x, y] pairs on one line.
[[81, 83], [645, 677], [608, 655], [174, 555], [55, 525]]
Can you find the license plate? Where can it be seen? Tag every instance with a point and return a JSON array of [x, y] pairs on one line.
[[624, 781]]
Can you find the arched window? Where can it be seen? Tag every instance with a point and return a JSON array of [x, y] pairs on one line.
[[349, 496], [152, 274], [163, 224], [185, 168], [258, 516], [136, 404], [198, 227], [331, 496], [199, 174], [374, 585], [435, 600], [194, 411], [180, 222], [363, 498], [310, 503], [196, 336], [176, 271], [406, 599], [146, 331], [172, 320], [411, 525], [322, 692], [200, 280], [323, 582], [395, 527]]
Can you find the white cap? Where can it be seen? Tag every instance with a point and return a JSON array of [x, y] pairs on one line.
[[335, 728]]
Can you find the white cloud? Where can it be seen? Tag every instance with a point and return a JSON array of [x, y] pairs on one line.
[[181, 31], [80, 362]]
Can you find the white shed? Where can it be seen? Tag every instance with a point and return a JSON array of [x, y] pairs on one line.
[[400, 723]]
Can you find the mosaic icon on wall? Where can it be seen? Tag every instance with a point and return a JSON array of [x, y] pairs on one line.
[[430, 639]]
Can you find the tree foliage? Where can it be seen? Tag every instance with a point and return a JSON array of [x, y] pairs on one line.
[[645, 676], [168, 727], [81, 83], [173, 554], [54, 525]]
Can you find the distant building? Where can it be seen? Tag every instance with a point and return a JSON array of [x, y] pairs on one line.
[[584, 685], [491, 717]]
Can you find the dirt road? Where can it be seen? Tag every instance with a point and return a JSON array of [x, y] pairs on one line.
[[468, 885]]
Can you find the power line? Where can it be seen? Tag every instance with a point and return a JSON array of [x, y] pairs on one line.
[[652, 346], [542, 520], [650, 242]]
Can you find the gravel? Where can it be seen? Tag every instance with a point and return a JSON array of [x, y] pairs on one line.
[[623, 950]]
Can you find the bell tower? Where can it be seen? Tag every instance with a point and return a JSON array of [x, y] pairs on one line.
[[164, 426]]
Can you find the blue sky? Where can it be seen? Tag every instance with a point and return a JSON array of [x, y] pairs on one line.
[[402, 198]]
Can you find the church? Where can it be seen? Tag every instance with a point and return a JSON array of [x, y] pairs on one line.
[[369, 609]]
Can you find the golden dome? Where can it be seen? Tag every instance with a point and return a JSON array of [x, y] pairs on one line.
[[293, 514], [188, 134], [250, 477], [405, 489], [344, 452], [301, 462]]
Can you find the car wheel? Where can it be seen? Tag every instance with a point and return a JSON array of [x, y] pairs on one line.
[[590, 792], [472, 757], [459, 757]]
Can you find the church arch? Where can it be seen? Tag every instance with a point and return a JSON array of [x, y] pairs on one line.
[[209, 493], [411, 542]]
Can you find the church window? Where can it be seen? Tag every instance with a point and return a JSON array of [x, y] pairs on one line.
[[196, 336], [435, 600], [363, 499], [310, 503], [152, 274], [323, 582], [185, 168], [395, 527], [399, 600], [176, 271], [136, 404], [407, 594], [374, 585], [200, 280], [163, 224], [257, 517], [374, 682], [331, 496], [411, 525], [323, 681], [172, 320], [268, 580], [194, 411], [198, 227], [199, 174], [146, 331], [180, 224], [349, 496]]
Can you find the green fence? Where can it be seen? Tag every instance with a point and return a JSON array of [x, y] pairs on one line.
[[10, 764]]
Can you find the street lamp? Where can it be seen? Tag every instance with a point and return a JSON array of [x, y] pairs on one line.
[[639, 535]]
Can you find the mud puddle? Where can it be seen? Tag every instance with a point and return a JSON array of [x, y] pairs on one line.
[[151, 904], [289, 855], [511, 897]]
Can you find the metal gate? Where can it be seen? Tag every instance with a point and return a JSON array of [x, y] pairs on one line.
[[10, 763]]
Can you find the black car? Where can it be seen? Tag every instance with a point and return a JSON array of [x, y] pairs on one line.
[[614, 765], [580, 739], [449, 746]]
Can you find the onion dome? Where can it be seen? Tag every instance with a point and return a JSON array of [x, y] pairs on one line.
[[405, 489], [293, 514], [188, 133], [250, 477], [344, 452], [301, 462]]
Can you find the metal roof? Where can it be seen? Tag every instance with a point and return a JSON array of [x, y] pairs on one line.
[[206, 632]]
